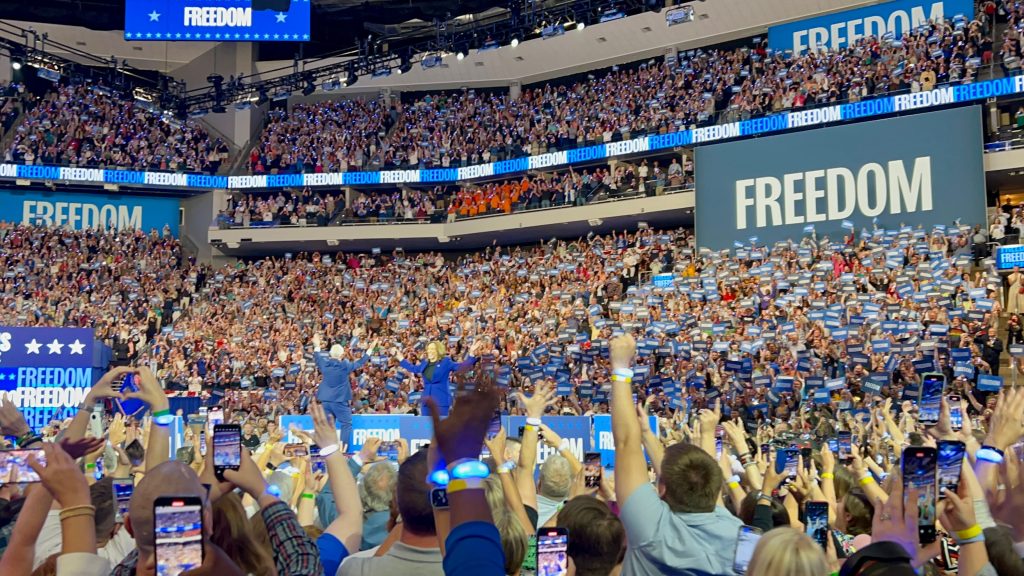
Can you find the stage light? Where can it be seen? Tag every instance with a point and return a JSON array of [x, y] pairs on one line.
[[515, 42], [460, 56]]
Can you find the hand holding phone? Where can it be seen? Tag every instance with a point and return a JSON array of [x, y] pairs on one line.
[[592, 470], [553, 552], [956, 417], [918, 468], [816, 522], [746, 542], [178, 532], [14, 468], [227, 448]]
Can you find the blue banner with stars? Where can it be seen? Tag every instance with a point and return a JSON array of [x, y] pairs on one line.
[[217, 20], [46, 372]]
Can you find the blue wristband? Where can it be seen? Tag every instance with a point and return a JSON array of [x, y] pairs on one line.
[[469, 468], [623, 372], [439, 478], [989, 455]]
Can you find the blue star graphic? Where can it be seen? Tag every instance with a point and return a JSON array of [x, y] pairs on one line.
[[154, 16], [236, 35], [305, 36], [178, 35], [216, 35], [188, 34], [280, 17], [276, 36], [157, 34], [148, 35], [266, 36], [207, 34], [246, 35]]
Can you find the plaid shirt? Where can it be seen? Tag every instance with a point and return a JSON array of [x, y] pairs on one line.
[[295, 554]]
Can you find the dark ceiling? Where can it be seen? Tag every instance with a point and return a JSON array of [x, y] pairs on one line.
[[336, 24]]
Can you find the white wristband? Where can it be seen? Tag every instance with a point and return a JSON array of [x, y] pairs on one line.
[[565, 445], [328, 450], [533, 422]]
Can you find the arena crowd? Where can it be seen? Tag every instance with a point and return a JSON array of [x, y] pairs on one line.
[[736, 355]]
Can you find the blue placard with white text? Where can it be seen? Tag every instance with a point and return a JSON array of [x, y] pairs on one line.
[[217, 20]]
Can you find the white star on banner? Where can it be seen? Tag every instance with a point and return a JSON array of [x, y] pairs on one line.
[[280, 17], [55, 347], [154, 16], [32, 347], [76, 347]]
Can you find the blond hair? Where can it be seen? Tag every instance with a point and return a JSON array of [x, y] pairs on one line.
[[514, 540], [787, 551], [438, 346]]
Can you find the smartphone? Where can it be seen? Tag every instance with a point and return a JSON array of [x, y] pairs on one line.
[[14, 468], [805, 452], [844, 441], [833, 446], [919, 470], [746, 542], [316, 461], [227, 448], [96, 421], [787, 460], [929, 401], [765, 448], [494, 427], [592, 470], [388, 450], [178, 528], [296, 450], [951, 457], [132, 406], [816, 522], [552, 551], [123, 489], [956, 418], [719, 434]]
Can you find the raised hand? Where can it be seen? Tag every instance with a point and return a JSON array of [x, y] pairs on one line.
[[1006, 426], [105, 387], [324, 432], [12, 422], [149, 391], [621, 351], [461, 434], [543, 397]]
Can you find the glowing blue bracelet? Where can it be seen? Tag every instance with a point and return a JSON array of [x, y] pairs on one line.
[[468, 468], [438, 478]]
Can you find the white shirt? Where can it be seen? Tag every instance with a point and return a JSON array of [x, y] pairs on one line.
[[82, 564], [49, 542]]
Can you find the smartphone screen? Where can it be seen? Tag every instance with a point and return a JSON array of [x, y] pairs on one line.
[[316, 461], [14, 468], [227, 448], [844, 441], [746, 542], [202, 442], [592, 470], [765, 449], [956, 418], [787, 460], [951, 457], [919, 470], [123, 490], [816, 522], [719, 433], [178, 528], [552, 552], [833, 446], [930, 402], [296, 450], [388, 450]]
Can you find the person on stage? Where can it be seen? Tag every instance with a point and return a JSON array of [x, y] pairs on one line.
[[436, 372], [335, 391]]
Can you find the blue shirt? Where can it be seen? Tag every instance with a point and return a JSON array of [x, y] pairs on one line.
[[663, 542], [474, 549]]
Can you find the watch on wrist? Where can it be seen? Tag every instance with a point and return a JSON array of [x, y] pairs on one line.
[[439, 498]]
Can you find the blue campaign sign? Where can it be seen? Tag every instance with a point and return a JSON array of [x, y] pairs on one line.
[[574, 429], [602, 424], [46, 372], [217, 20], [1010, 256], [889, 20], [83, 211]]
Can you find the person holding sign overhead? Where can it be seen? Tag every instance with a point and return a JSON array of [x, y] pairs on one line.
[[335, 390], [436, 372]]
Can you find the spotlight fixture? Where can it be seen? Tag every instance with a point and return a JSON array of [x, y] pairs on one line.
[[310, 86], [16, 63], [352, 78], [460, 56], [580, 26], [405, 65], [515, 42]]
